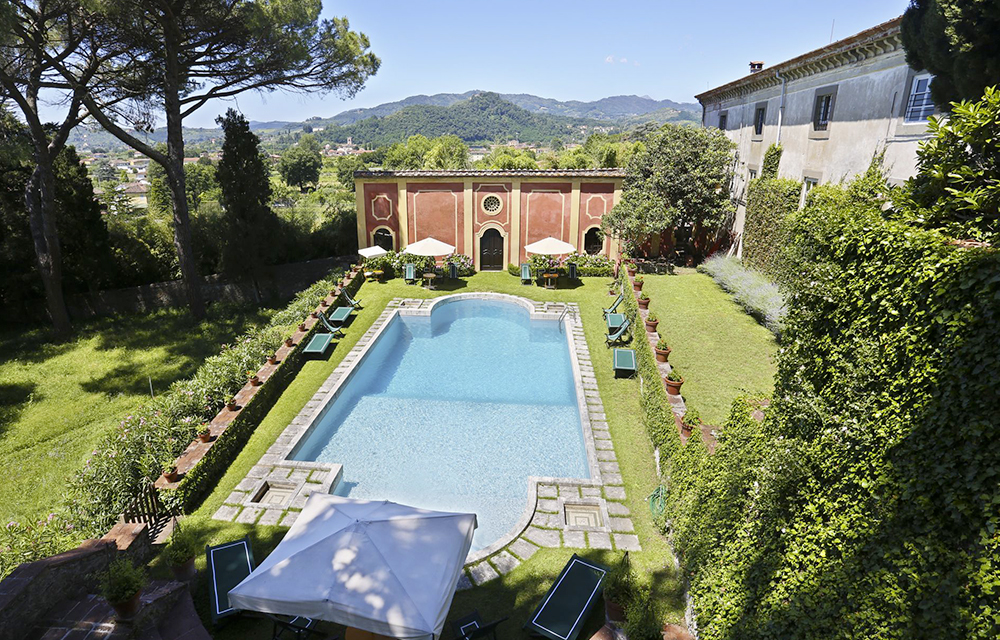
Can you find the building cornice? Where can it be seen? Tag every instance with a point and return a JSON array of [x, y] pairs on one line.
[[871, 43], [492, 173]]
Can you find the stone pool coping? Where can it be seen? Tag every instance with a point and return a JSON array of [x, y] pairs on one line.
[[542, 523]]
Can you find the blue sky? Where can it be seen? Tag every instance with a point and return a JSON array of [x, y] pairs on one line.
[[578, 50]]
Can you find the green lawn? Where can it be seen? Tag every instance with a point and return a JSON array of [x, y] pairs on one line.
[[517, 593], [57, 397], [719, 349]]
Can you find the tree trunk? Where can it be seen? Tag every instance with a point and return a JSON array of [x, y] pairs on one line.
[[178, 195], [39, 199]]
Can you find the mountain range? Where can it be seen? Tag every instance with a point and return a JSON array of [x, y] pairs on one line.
[[474, 116]]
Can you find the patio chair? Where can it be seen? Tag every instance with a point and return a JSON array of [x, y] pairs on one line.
[[410, 273], [623, 361], [525, 273], [351, 301], [318, 344], [471, 627], [564, 609], [618, 335], [573, 271], [452, 271], [298, 627], [614, 305], [228, 565]]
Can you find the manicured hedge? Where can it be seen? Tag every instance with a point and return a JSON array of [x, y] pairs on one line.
[[867, 504], [136, 451], [769, 203]]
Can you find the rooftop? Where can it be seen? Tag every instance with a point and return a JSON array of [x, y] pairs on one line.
[[491, 173], [879, 39]]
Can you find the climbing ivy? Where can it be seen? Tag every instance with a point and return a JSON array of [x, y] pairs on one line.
[[772, 158], [867, 502], [769, 202]]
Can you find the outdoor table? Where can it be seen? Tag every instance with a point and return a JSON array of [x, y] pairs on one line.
[[549, 277], [615, 321], [378, 274], [429, 279]]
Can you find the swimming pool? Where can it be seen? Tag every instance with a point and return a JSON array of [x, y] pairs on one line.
[[455, 411]]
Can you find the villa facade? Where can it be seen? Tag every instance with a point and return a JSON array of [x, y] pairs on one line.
[[830, 109], [487, 215]]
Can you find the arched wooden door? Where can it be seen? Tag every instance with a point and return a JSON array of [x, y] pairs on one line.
[[491, 251]]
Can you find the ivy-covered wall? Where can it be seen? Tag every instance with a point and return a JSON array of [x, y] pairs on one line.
[[867, 503], [769, 203]]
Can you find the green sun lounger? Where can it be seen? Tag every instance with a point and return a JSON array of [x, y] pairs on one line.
[[623, 361], [340, 314], [614, 305], [228, 565], [563, 611], [410, 273], [618, 335], [336, 331], [351, 301], [318, 344], [472, 627], [525, 273]]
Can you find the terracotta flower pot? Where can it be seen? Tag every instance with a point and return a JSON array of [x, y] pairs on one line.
[[662, 354], [324, 303], [184, 572], [289, 342], [302, 326], [643, 303], [255, 381], [637, 285], [272, 359], [126, 609], [314, 314], [685, 428], [171, 474], [205, 436], [631, 272], [651, 326], [232, 406], [673, 388], [613, 611]]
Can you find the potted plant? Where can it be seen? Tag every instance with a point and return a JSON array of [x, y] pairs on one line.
[[272, 359], [180, 553], [121, 586], [619, 585], [662, 350], [312, 314], [231, 405], [324, 303], [289, 342], [651, 322], [204, 433], [253, 378], [630, 268], [690, 421], [673, 380], [637, 283], [302, 326], [170, 472], [643, 300], [641, 621]]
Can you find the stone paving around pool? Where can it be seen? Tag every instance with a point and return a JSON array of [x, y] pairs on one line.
[[560, 512]]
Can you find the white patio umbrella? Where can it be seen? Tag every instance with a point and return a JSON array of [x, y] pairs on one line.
[[550, 247], [430, 247], [372, 252], [373, 565]]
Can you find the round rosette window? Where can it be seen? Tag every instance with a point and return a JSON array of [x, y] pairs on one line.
[[492, 204]]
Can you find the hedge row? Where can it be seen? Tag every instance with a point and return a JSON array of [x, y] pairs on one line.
[[135, 453], [203, 476], [769, 203], [867, 504]]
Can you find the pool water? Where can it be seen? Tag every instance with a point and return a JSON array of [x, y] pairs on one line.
[[454, 412]]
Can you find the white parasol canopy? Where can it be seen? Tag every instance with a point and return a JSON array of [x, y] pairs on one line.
[[430, 247], [550, 247], [372, 252], [374, 565]]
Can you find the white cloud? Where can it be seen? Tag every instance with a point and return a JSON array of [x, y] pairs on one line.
[[623, 60], [610, 59]]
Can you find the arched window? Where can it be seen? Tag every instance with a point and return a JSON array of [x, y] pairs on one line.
[[593, 241], [383, 238]]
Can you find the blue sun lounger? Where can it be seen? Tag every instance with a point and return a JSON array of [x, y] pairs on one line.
[[623, 361], [614, 305], [525, 273], [618, 335], [228, 565], [339, 315], [410, 273], [564, 609]]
